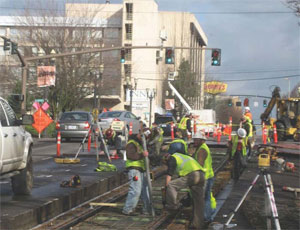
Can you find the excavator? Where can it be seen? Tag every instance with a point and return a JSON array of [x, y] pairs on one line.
[[287, 116]]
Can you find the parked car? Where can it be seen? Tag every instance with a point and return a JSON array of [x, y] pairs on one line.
[[75, 124], [15, 149], [106, 119], [164, 121]]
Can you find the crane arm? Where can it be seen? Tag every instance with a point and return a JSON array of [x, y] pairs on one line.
[[182, 100], [275, 96]]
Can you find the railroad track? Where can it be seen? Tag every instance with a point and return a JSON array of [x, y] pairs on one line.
[[86, 216]]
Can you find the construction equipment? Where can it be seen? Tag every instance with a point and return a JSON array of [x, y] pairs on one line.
[[287, 116]]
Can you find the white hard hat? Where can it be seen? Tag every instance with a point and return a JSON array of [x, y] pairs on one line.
[[247, 108], [241, 132], [199, 135]]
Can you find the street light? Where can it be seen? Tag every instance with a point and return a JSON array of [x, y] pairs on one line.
[[151, 93], [131, 89]]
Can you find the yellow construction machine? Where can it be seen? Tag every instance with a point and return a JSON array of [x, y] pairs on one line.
[[287, 116]]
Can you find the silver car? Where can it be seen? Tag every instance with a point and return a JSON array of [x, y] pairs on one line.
[[105, 119], [75, 124]]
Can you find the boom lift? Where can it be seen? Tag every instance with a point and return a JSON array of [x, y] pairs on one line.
[[287, 116]]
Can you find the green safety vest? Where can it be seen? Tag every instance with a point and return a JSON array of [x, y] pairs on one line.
[[138, 163], [248, 121], [182, 123], [186, 164], [180, 141], [208, 161], [235, 140], [161, 135]]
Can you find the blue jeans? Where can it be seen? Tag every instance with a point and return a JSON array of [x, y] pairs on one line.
[[208, 211], [136, 189]]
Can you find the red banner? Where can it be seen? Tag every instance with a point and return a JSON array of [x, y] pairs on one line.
[[169, 104]]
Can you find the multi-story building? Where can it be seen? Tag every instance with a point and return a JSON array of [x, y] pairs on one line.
[[139, 23]]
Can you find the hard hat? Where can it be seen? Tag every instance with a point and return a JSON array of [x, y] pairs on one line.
[[241, 133], [147, 132], [176, 147], [247, 108], [199, 135]]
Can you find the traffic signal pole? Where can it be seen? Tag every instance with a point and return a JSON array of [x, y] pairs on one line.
[[25, 61]]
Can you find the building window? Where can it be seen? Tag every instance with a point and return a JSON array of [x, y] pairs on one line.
[[128, 53], [129, 11], [128, 29]]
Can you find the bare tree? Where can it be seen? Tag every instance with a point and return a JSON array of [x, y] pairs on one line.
[[50, 31], [294, 5]]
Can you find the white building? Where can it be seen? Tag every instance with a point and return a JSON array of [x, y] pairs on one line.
[[139, 23]]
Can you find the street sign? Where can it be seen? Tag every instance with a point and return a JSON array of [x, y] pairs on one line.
[[41, 120], [39, 100]]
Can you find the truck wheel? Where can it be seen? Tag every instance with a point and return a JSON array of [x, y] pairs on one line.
[[23, 182], [281, 131]]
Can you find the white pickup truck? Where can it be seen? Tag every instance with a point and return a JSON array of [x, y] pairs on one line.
[[15, 150]]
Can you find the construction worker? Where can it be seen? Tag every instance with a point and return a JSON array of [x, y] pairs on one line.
[[110, 136], [246, 124], [178, 145], [247, 113], [156, 137], [238, 152], [135, 165], [185, 126], [191, 175], [203, 156]]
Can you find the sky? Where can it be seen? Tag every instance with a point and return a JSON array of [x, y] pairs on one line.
[[258, 39]]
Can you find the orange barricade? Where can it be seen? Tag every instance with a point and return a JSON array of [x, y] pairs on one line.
[[58, 144], [130, 128], [275, 134], [89, 140], [172, 131]]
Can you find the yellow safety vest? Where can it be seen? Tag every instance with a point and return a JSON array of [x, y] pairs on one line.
[[138, 163], [208, 161], [182, 123], [186, 164], [235, 140]]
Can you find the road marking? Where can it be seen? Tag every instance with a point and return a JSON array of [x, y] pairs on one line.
[[41, 176], [46, 158], [4, 182]]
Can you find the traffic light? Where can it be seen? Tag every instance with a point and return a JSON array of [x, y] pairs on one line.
[[6, 45], [229, 102], [122, 60], [265, 103], [246, 102], [14, 48], [169, 56], [216, 57]]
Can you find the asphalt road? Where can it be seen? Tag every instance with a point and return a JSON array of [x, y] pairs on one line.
[[45, 148]]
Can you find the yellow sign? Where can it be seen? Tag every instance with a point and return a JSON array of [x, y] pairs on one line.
[[215, 87]]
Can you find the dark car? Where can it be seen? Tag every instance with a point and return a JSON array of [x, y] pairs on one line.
[[164, 121], [75, 124]]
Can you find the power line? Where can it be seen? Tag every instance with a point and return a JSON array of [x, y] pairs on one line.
[[192, 12]]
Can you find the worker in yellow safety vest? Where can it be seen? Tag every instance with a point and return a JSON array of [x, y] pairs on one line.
[[238, 152], [135, 165], [185, 126], [203, 157], [247, 125], [191, 175]]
